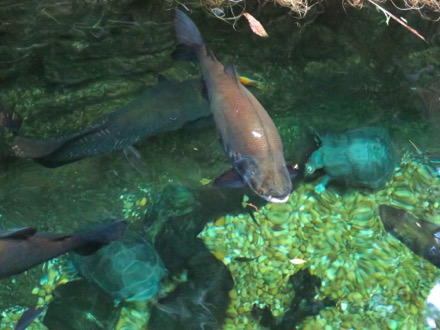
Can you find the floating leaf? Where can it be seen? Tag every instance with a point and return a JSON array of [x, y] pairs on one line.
[[255, 25]]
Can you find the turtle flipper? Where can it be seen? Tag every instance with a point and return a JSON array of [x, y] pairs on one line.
[[320, 188]]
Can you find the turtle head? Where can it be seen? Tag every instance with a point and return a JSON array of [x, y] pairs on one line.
[[314, 162]]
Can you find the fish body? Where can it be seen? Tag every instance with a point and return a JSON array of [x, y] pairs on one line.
[[28, 317], [165, 107], [420, 236], [25, 248], [248, 135]]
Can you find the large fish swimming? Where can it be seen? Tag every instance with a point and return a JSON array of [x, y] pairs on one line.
[[248, 135], [25, 248], [165, 107]]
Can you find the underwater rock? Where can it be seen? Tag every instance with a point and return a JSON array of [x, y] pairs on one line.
[[79, 305], [361, 157], [130, 270], [420, 236]]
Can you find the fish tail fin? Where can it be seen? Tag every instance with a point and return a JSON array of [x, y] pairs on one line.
[[187, 32], [93, 240]]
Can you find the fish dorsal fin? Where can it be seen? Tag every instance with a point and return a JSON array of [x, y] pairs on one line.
[[211, 55], [21, 233], [232, 73]]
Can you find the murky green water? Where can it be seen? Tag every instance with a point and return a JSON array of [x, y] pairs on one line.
[[328, 264]]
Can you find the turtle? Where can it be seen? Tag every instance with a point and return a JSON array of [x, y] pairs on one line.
[[128, 270], [362, 157]]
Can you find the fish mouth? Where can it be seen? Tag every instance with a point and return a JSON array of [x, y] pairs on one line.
[[277, 200]]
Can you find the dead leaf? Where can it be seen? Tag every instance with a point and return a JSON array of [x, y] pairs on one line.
[[256, 26], [297, 261]]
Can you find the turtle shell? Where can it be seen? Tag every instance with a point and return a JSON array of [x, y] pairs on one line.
[[360, 157], [127, 270]]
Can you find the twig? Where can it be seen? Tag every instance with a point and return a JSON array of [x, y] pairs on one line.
[[398, 20]]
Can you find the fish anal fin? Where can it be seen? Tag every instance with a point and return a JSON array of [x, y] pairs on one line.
[[21, 233]]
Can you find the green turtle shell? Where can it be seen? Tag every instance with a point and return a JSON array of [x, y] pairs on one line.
[[360, 157], [127, 270]]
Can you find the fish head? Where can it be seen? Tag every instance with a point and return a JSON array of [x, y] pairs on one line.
[[269, 180]]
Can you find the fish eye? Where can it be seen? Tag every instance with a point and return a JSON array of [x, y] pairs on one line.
[[310, 169]]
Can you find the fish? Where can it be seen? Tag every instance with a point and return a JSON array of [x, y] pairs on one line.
[[24, 248], [28, 317], [165, 107], [252, 82], [420, 236], [249, 137]]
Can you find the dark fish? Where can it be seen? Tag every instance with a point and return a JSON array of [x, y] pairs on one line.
[[24, 248], [28, 317], [420, 236], [10, 120], [249, 137], [165, 107]]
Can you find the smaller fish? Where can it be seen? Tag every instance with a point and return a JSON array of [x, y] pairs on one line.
[[251, 82], [24, 248], [420, 236], [245, 259], [28, 317]]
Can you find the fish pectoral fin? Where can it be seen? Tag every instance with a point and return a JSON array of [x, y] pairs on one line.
[[246, 167], [229, 179], [230, 71], [21, 233]]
